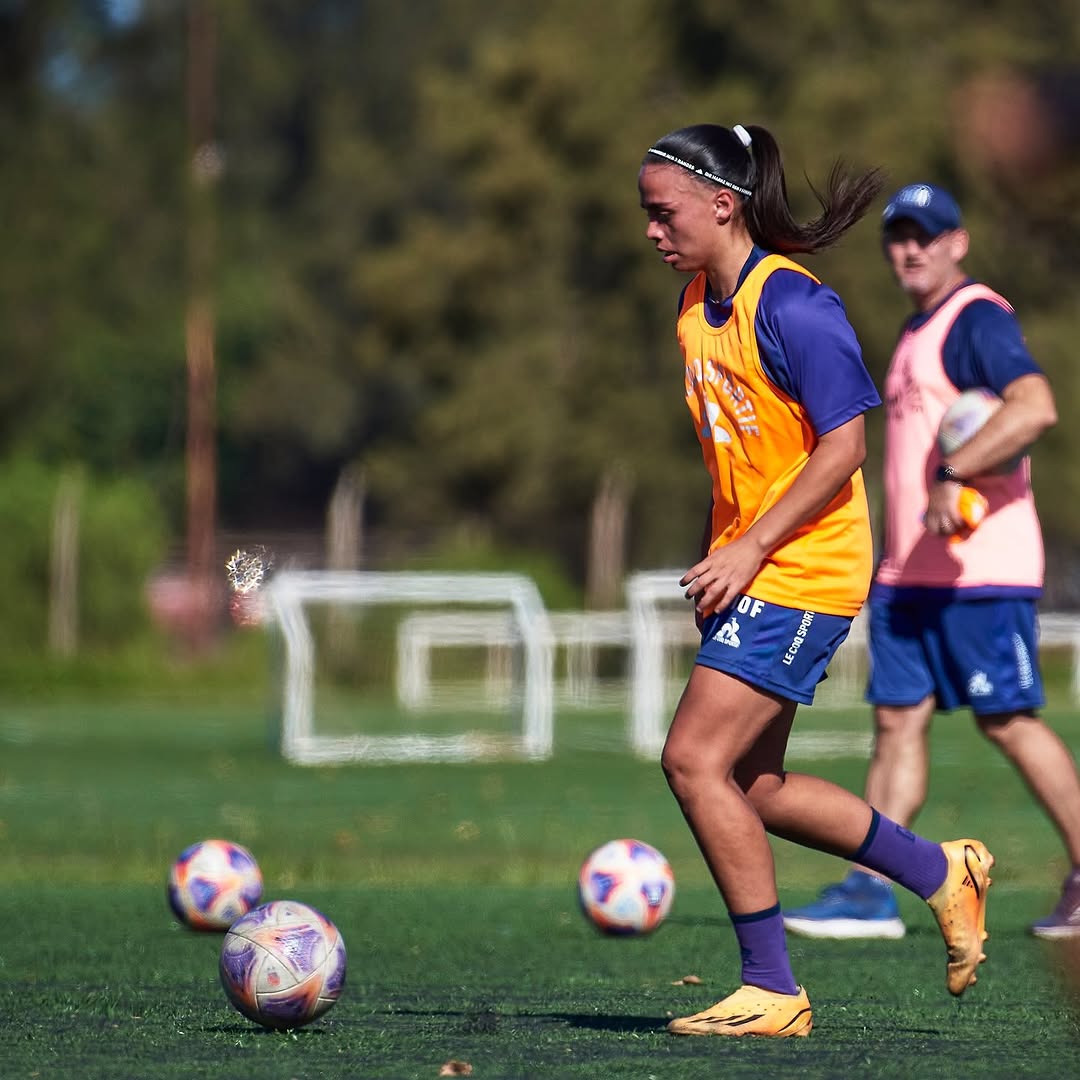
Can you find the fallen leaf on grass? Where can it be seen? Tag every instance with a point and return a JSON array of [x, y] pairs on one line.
[[687, 980], [456, 1068]]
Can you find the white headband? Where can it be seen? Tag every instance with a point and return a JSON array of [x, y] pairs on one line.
[[700, 172]]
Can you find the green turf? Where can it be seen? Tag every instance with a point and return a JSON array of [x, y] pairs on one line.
[[453, 886], [98, 982]]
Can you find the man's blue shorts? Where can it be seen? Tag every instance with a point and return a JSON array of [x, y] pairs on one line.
[[779, 649], [977, 653]]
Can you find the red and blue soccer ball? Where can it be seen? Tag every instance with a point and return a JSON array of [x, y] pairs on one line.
[[283, 964], [626, 887], [212, 883]]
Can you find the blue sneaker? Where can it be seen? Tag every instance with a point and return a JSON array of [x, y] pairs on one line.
[[1064, 920], [860, 906]]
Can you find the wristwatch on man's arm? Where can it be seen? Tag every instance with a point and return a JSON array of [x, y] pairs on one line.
[[946, 474]]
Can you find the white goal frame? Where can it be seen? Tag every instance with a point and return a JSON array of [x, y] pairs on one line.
[[658, 629], [654, 632], [422, 631], [578, 634], [290, 592]]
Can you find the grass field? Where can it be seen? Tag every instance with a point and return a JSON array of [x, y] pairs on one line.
[[454, 888]]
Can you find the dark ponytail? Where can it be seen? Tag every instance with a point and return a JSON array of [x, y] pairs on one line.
[[718, 156]]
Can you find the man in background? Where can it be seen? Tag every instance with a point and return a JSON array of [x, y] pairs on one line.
[[953, 618]]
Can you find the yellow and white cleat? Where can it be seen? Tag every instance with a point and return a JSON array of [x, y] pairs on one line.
[[959, 906], [751, 1011]]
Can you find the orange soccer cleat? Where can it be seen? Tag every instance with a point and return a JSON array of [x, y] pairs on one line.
[[751, 1011], [959, 906]]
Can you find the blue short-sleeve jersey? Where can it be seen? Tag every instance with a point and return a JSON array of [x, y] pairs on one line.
[[984, 347], [807, 346]]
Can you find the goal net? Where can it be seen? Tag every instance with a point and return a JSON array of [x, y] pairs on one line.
[[363, 681]]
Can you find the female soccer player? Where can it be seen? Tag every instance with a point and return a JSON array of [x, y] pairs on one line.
[[777, 389]]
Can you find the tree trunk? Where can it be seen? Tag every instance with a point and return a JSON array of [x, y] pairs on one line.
[[64, 568], [344, 551], [607, 541], [201, 456]]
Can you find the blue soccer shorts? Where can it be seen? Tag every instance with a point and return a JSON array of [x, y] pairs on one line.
[[982, 654], [779, 649]]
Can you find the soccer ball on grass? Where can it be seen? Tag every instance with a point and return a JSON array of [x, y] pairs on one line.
[[283, 964], [626, 887], [212, 883]]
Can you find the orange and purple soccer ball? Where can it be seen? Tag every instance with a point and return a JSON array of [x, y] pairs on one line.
[[626, 887], [212, 883], [283, 964]]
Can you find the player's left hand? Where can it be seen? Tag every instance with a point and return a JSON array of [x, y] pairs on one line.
[[714, 582], [943, 516]]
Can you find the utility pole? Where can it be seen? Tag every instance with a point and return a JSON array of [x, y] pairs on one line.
[[204, 164]]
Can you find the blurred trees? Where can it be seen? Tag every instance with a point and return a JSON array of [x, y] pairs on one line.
[[431, 263]]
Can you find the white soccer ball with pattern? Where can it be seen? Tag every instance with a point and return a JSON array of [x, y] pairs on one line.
[[283, 964], [964, 417], [212, 883], [626, 887]]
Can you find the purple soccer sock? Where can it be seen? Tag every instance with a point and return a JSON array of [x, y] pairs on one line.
[[763, 946], [890, 849]]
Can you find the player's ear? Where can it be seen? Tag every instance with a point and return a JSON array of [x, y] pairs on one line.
[[723, 206], [959, 243]]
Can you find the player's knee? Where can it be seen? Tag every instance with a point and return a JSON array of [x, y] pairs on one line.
[[677, 763], [684, 766], [900, 724], [1002, 728]]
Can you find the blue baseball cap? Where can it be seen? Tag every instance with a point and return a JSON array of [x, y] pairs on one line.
[[932, 208]]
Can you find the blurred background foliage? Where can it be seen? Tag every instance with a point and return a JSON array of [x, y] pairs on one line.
[[429, 262]]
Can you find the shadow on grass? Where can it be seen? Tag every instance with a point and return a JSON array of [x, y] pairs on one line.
[[699, 920], [643, 1025], [488, 1021], [258, 1031]]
